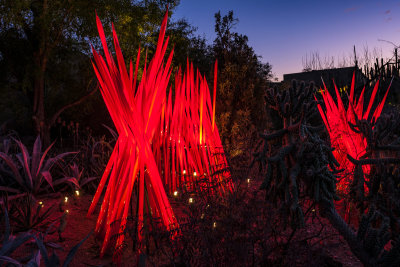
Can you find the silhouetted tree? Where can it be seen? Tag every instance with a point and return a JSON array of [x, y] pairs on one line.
[[242, 79], [44, 48]]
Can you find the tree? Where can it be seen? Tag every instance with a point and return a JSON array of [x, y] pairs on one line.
[[242, 79], [38, 37]]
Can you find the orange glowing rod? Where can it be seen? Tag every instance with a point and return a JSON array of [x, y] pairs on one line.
[[214, 93]]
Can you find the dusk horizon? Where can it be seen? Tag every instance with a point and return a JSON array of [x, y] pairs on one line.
[[284, 33]]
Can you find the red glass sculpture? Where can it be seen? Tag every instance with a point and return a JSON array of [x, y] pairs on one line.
[[162, 144], [345, 141]]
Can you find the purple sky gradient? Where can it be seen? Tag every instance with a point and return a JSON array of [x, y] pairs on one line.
[[283, 32]]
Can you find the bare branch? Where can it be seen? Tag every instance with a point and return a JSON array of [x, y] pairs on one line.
[[77, 102]]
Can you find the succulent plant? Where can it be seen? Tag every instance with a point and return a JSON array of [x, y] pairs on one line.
[[31, 171], [10, 243]]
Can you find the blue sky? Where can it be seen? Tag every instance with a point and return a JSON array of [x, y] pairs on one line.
[[283, 32]]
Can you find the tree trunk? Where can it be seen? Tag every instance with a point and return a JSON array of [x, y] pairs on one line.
[[39, 116], [40, 39]]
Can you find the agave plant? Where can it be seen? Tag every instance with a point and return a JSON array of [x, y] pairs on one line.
[[78, 174], [28, 214], [30, 171], [93, 157], [5, 173], [11, 243]]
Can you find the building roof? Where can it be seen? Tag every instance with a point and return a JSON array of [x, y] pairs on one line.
[[341, 76]]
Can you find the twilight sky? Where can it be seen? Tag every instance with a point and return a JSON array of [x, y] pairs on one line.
[[283, 32]]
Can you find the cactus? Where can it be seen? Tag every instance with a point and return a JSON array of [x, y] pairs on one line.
[[298, 162], [303, 159]]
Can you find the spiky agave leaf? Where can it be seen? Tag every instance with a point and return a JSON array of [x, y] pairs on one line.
[[15, 171], [74, 249], [11, 243], [9, 260], [25, 160]]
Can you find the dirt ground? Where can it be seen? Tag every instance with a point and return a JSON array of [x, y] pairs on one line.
[[333, 249]]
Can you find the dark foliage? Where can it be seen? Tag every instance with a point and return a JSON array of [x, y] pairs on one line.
[[242, 79], [301, 165], [24, 173], [296, 159], [11, 243], [28, 214]]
